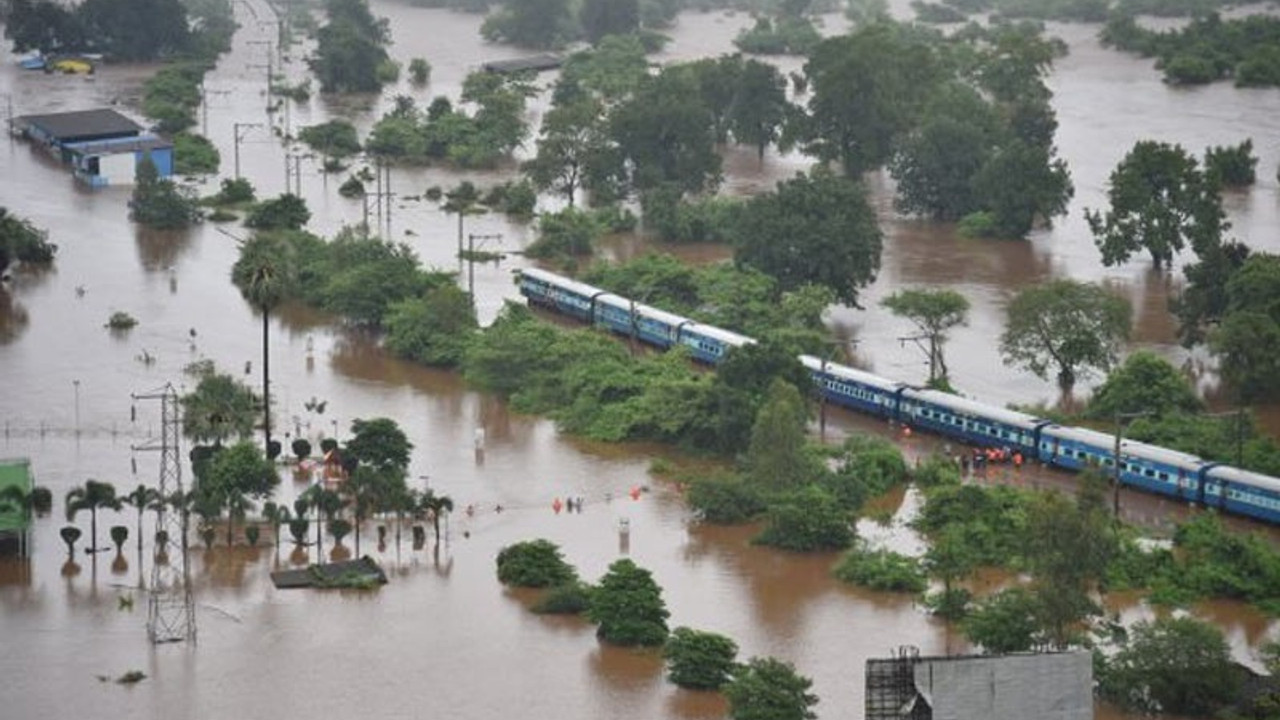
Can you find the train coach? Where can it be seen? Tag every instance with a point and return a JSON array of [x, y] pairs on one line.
[[1148, 467]]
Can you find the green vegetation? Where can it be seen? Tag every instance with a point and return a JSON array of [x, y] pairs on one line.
[[1232, 166], [1175, 665], [1067, 325], [699, 660], [1005, 622], [540, 24], [881, 569], [194, 155], [1160, 202], [571, 598], [161, 204], [121, 320], [807, 520], [770, 689], [286, 212], [566, 234], [333, 139], [21, 241], [419, 71], [627, 606], [172, 96], [816, 228], [235, 191], [779, 36], [933, 312], [534, 563], [1206, 50], [123, 30], [433, 329], [350, 48], [445, 132]]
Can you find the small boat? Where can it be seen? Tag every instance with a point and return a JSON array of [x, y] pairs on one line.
[[32, 62]]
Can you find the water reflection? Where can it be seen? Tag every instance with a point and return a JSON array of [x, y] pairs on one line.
[[13, 316], [160, 250]]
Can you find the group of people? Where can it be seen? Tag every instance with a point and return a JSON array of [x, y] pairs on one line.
[[982, 457], [570, 504]]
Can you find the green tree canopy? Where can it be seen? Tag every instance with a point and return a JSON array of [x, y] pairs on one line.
[[1159, 202], [770, 689], [776, 458], [335, 138], [350, 48], [380, 444], [867, 88], [287, 212], [816, 228], [1006, 622], [22, 241], [699, 660], [628, 607], [1145, 383], [1176, 665], [608, 17], [540, 24], [808, 519], [1067, 325], [665, 133], [933, 312], [220, 407], [434, 329]]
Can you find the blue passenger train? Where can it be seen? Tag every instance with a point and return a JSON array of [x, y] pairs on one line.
[[1154, 469]]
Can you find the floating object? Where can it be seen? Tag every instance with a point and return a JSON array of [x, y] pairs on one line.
[[32, 62]]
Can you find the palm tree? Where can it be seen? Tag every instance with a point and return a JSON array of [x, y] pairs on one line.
[[368, 490], [327, 503], [142, 498], [91, 496], [437, 505], [264, 274]]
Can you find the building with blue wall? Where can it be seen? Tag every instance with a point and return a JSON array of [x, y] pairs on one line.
[[103, 147]]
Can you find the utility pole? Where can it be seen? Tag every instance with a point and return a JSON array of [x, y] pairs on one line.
[[204, 106], [1117, 461], [170, 607], [471, 261], [267, 67], [1239, 415], [236, 128]]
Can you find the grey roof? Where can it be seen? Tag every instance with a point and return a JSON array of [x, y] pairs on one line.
[[100, 123], [114, 146]]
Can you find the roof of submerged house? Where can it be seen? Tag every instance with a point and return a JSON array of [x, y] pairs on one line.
[[83, 124]]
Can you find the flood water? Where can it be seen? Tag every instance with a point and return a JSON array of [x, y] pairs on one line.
[[443, 636]]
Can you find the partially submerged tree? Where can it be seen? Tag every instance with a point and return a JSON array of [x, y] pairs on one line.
[[770, 689], [92, 496], [1160, 202], [1067, 325], [628, 607], [699, 660], [933, 312]]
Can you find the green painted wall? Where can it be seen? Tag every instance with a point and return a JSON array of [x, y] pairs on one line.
[[14, 472]]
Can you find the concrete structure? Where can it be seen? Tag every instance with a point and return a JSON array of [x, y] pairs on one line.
[[102, 146], [1045, 686]]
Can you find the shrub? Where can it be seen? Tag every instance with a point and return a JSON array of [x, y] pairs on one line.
[[980, 224], [699, 660], [194, 155], [419, 71], [534, 563], [725, 500], [807, 520], [352, 188], [121, 320], [234, 190], [513, 198], [1233, 166], [882, 570], [571, 598]]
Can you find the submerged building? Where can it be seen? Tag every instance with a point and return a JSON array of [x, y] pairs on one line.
[[102, 147], [1045, 686]]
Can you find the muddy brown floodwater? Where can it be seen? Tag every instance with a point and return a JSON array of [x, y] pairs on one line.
[[443, 636]]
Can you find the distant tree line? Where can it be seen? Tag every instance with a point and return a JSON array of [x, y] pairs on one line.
[[124, 30]]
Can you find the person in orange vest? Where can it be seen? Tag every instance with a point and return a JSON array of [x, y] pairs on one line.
[[557, 505], [1017, 459]]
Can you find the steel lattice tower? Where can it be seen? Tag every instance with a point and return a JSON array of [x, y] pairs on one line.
[[170, 608]]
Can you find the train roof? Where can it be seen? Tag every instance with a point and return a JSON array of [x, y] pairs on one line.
[[725, 336], [561, 281], [1177, 458], [973, 407], [1132, 448], [851, 373], [1246, 477], [643, 310]]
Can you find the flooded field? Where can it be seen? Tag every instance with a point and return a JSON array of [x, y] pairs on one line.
[[444, 636]]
